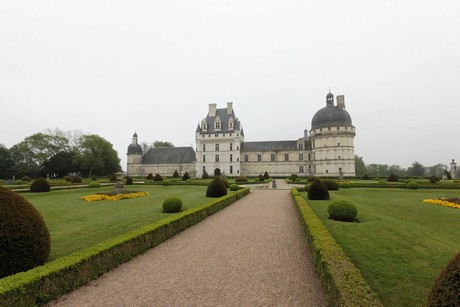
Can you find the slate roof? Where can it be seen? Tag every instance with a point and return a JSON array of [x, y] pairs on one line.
[[173, 155], [224, 118], [268, 146], [135, 149], [330, 116]]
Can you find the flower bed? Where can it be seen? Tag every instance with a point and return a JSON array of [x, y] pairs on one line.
[[445, 202], [113, 196]]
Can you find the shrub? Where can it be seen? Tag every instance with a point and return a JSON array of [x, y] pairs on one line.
[[150, 176], [293, 177], [241, 179], [158, 178], [257, 179], [113, 177], [18, 182], [342, 210], [40, 185], [345, 185], [93, 178], [24, 237], [366, 177], [205, 175], [331, 184], [26, 178], [312, 178], [412, 185], [216, 188], [261, 177], [227, 184], [186, 176], [94, 184], [318, 191], [172, 205], [446, 288], [67, 178], [166, 182], [129, 180], [307, 186], [76, 179], [393, 178], [266, 176], [434, 179], [234, 187], [176, 174]]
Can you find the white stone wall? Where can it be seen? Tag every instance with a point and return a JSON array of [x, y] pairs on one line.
[[165, 170]]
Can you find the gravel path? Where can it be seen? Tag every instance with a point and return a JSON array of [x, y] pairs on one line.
[[252, 253]]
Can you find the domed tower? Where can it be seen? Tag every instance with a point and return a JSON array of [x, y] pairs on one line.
[[332, 134], [134, 154]]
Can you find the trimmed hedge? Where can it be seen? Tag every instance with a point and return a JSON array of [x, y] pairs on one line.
[[341, 280], [40, 185], [45, 283], [172, 205]]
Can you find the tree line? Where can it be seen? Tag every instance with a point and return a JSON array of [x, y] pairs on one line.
[[57, 153], [383, 170]]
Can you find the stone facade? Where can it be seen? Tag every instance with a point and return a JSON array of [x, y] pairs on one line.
[[326, 150]]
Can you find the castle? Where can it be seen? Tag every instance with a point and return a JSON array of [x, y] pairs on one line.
[[326, 150]]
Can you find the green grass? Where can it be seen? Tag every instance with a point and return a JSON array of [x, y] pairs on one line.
[[75, 224], [400, 244]]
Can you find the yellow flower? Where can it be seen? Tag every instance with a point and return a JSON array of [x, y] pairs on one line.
[[98, 197], [442, 202]]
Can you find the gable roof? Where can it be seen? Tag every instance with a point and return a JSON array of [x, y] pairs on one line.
[[166, 155], [224, 120]]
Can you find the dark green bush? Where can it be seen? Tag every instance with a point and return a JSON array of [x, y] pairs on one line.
[[205, 175], [342, 210], [172, 205], [393, 178], [186, 176], [94, 184], [433, 179], [331, 184], [227, 184], [76, 179], [216, 188], [67, 178], [241, 179], [129, 181], [412, 185], [150, 176], [261, 177], [234, 187], [176, 174], [113, 177], [293, 177], [318, 191], [40, 185], [366, 177], [24, 237], [94, 178], [158, 178], [266, 175], [26, 178], [446, 288], [345, 185]]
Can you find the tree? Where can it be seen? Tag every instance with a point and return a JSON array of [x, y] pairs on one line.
[[161, 144], [6, 162], [378, 170], [97, 156], [360, 167], [437, 170], [397, 170], [24, 161], [416, 170], [62, 163]]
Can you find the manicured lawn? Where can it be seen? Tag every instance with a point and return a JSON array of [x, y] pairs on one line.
[[75, 224], [400, 244]]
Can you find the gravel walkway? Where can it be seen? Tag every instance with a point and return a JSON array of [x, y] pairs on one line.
[[252, 253]]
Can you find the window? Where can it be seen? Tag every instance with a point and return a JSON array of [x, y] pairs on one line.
[[339, 157], [231, 158], [301, 169], [204, 147], [246, 158], [286, 157], [300, 146], [338, 144], [329, 128], [204, 169], [300, 157], [237, 159], [327, 171], [204, 158], [259, 158], [309, 157], [217, 147], [217, 158], [273, 158], [231, 146], [237, 147], [217, 125], [216, 135], [231, 169], [338, 128]]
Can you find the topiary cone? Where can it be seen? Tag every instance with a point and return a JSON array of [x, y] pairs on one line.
[[24, 237]]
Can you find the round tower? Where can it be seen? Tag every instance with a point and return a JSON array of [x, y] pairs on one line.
[[134, 154]]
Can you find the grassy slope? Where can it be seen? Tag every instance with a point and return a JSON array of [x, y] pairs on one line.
[[75, 224], [401, 244]]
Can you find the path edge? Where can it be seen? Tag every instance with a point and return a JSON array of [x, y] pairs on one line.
[[45, 283]]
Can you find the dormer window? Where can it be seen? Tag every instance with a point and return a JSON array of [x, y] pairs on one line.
[[217, 125], [230, 124], [204, 125]]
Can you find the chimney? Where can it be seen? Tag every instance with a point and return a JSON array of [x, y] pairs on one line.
[[340, 102], [212, 110], [229, 108]]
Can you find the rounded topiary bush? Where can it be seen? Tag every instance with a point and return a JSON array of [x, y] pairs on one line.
[[172, 205], [241, 179], [150, 176], [393, 178], [176, 174], [234, 187], [433, 179], [186, 176], [345, 185], [158, 178], [318, 191], [205, 175], [94, 184], [166, 182], [331, 184], [93, 178], [261, 177], [366, 177], [24, 237], [76, 179], [26, 178], [129, 180], [412, 185], [342, 210], [216, 188], [40, 185], [446, 288], [67, 178]]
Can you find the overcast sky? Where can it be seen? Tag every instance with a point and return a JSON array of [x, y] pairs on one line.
[[115, 67]]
